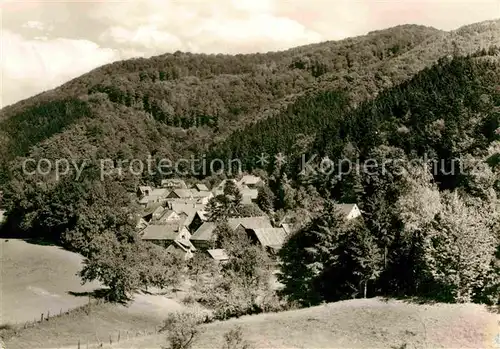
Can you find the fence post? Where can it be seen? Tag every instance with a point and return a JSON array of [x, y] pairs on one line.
[[41, 317], [78, 344], [118, 336], [110, 340]]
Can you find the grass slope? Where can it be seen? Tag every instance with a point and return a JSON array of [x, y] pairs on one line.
[[371, 323], [36, 279]]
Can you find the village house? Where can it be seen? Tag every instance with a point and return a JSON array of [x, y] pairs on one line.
[[219, 255], [165, 234], [187, 206], [151, 210], [248, 195], [272, 239], [250, 181], [204, 237], [167, 216], [155, 196], [203, 197], [143, 191], [197, 219], [201, 187], [350, 211], [180, 194], [173, 183], [184, 249]]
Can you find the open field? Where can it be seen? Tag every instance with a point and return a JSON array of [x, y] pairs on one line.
[[102, 323], [371, 323], [36, 279]]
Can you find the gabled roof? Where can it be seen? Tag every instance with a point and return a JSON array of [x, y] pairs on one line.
[[160, 209], [161, 232], [201, 187], [151, 209], [272, 237], [345, 208], [250, 179], [247, 192], [187, 206], [182, 193], [205, 232], [159, 192], [200, 194], [218, 254], [167, 213], [191, 215], [250, 222]]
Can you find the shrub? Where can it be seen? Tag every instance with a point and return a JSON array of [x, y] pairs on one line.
[[233, 339], [183, 329]]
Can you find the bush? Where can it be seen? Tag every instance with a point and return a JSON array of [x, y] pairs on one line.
[[233, 339], [183, 329]]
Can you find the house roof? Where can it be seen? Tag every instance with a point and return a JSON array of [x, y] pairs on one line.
[[250, 222], [205, 232], [188, 206], [159, 209], [251, 193], [218, 254], [159, 192], [182, 193], [191, 215], [250, 179], [149, 210], [345, 208], [161, 232], [167, 213], [273, 237], [173, 182], [200, 194], [201, 187]]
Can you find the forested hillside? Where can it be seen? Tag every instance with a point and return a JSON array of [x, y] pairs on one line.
[[178, 104]]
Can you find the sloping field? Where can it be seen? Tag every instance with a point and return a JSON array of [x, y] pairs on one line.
[[36, 279], [371, 323]]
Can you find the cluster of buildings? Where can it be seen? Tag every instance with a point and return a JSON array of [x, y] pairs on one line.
[[174, 216]]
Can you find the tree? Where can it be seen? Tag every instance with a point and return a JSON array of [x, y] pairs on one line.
[[265, 199], [460, 250], [183, 329], [363, 254], [124, 267], [309, 258], [113, 264], [225, 205]]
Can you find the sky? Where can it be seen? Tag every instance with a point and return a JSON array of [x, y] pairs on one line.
[[46, 43]]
